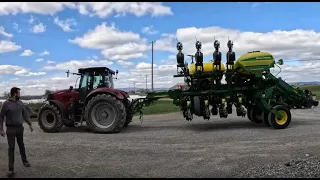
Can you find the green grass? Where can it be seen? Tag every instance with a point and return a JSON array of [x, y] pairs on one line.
[[314, 88], [160, 107]]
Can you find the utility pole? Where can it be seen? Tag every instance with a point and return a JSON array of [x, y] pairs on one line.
[[134, 86], [146, 83], [152, 42]]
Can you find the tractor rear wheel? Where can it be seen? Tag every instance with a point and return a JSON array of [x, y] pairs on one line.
[[105, 114], [49, 118], [280, 123]]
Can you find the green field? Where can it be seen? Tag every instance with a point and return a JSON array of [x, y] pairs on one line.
[[159, 107], [314, 88]]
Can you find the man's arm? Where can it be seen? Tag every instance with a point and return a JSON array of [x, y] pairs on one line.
[[2, 114], [25, 114]]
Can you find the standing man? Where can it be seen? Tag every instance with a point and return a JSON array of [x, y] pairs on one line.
[[14, 112]]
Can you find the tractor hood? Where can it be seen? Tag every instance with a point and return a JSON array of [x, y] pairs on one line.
[[61, 91]]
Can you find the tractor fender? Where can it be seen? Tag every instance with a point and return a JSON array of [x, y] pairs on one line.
[[113, 92], [125, 94], [61, 107]]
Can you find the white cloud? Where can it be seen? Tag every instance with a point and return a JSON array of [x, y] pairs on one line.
[[18, 71], [113, 43], [44, 53], [126, 51], [172, 57], [44, 8], [125, 64], [74, 65], [288, 45], [8, 46], [39, 59], [39, 28], [27, 52], [166, 43], [294, 44], [143, 65], [66, 25], [16, 27], [106, 9], [100, 9], [4, 33], [50, 62], [162, 78], [31, 20], [39, 85], [149, 30], [26, 72]]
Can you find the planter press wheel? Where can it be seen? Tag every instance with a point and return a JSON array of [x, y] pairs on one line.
[[280, 123], [265, 116], [253, 115]]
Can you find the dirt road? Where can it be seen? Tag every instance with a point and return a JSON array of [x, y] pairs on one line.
[[167, 146]]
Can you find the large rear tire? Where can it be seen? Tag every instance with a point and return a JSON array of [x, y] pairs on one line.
[[105, 114], [49, 118]]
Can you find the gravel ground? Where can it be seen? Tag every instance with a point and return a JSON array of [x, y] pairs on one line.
[[169, 146]]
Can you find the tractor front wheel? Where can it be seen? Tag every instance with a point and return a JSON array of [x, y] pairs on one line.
[[105, 114], [280, 123], [49, 118]]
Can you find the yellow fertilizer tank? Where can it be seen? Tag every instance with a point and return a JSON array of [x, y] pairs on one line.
[[254, 62], [207, 67]]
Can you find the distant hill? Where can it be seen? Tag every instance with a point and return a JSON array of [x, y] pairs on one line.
[[305, 83]]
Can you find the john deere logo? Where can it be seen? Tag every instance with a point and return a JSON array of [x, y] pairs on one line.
[[263, 57]]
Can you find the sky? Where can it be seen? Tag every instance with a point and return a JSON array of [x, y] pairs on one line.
[[40, 41]]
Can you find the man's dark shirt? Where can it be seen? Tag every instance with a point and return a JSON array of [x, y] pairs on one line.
[[15, 112]]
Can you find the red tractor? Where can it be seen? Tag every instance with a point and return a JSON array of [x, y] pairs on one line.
[[95, 101]]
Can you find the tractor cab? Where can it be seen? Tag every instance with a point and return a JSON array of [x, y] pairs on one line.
[[93, 78]]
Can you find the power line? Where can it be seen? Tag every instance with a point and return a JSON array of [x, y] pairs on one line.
[[152, 42]]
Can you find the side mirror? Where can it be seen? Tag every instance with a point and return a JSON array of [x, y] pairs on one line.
[[117, 74], [70, 88], [280, 62]]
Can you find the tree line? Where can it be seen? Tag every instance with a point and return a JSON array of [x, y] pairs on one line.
[[6, 95]]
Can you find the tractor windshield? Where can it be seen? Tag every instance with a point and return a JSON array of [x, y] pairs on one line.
[[97, 81], [109, 81]]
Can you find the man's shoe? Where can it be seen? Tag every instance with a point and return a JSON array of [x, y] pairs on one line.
[[10, 173], [26, 164]]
